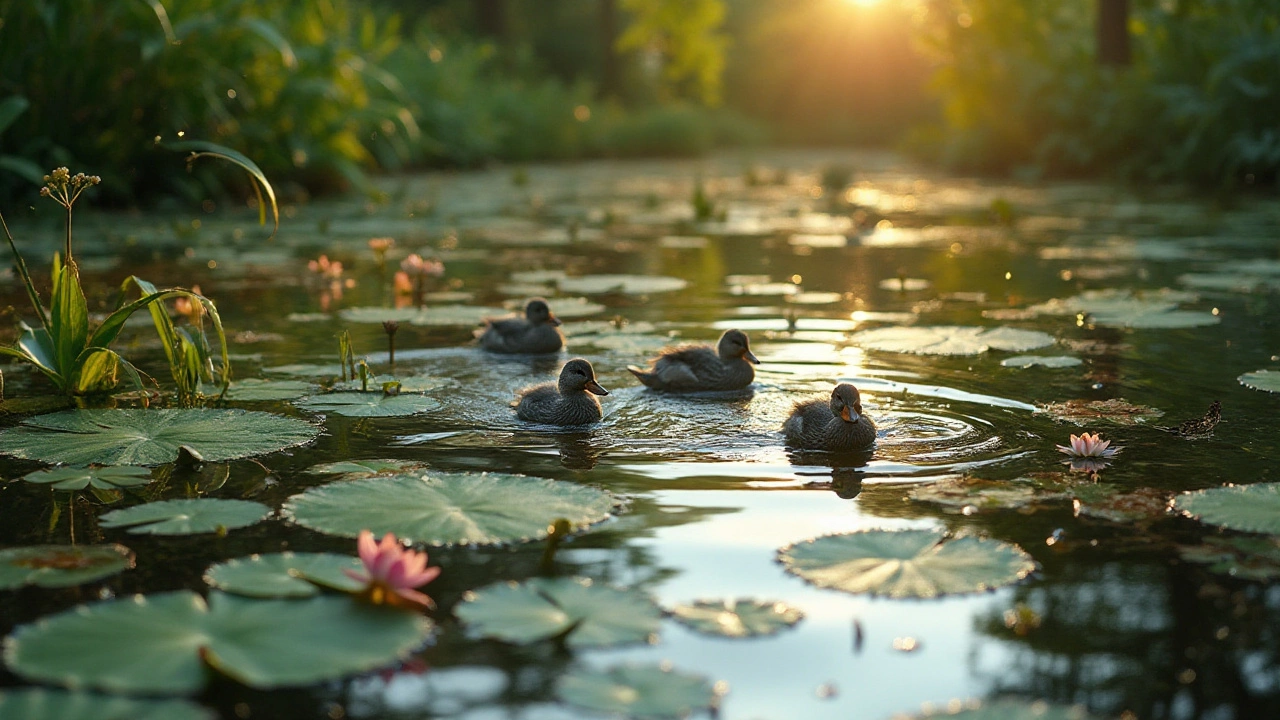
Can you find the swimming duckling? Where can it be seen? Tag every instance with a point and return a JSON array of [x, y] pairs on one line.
[[693, 368], [837, 425], [538, 332], [569, 401]]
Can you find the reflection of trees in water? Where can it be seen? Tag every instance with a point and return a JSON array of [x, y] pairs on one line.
[[1166, 642]]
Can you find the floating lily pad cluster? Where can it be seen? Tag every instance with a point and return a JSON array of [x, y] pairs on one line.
[[1150, 309], [950, 340]]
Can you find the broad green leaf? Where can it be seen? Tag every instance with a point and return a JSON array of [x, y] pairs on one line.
[[446, 508], [639, 691], [10, 108], [1006, 710], [186, 517], [284, 574], [1265, 380], [163, 644], [37, 344], [55, 566], [906, 563], [620, 284], [151, 437], [353, 469], [256, 390], [593, 615], [45, 704], [1250, 508], [950, 340], [68, 318], [110, 477], [737, 618], [202, 148], [369, 404], [98, 371]]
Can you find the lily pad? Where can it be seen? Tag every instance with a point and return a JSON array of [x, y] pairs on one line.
[[456, 315], [950, 340], [639, 691], [564, 308], [256, 390], [447, 508], [585, 613], [109, 477], [621, 284], [379, 315], [164, 644], [354, 469], [284, 574], [369, 404], [1049, 361], [151, 437], [305, 370], [906, 563], [1148, 309], [55, 566], [970, 494], [186, 517], [1264, 380], [1251, 508], [45, 704], [737, 618], [411, 384], [1244, 557], [1105, 502], [1087, 412], [1008, 710]]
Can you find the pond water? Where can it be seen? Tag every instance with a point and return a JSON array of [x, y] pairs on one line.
[[1116, 619]]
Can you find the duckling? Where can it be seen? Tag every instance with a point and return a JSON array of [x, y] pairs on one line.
[[693, 368], [538, 332], [570, 401], [838, 425]]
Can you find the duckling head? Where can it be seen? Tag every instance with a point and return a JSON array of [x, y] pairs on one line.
[[538, 312], [578, 376], [733, 345], [846, 403]]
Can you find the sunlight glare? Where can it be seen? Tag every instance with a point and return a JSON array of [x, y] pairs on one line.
[[863, 3]]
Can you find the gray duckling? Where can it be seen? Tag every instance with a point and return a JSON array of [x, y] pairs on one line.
[[569, 401], [693, 368], [538, 332], [835, 425]]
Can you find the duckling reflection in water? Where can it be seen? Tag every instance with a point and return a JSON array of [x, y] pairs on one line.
[[569, 401], [833, 425], [538, 332], [696, 368]]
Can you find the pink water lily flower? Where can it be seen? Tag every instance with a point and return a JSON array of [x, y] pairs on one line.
[[416, 265], [391, 572], [1087, 445]]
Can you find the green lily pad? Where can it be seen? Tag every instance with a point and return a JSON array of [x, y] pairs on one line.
[[906, 563], [379, 315], [1251, 508], [305, 370], [639, 691], [564, 308], [1087, 412], [411, 384], [1007, 710], [369, 404], [950, 340], [447, 508], [971, 494], [1264, 380], [592, 615], [354, 469], [737, 618], [256, 390], [1107, 502], [186, 517], [1049, 361], [45, 704], [456, 315], [621, 284], [109, 477], [151, 437], [284, 574], [1244, 557], [55, 566], [163, 644]]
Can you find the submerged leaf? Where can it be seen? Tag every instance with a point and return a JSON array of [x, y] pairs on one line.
[[369, 404], [1087, 412], [737, 618], [906, 563], [638, 691], [151, 437], [54, 566], [354, 469], [165, 643], [586, 614], [186, 517], [1247, 558], [438, 508]]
